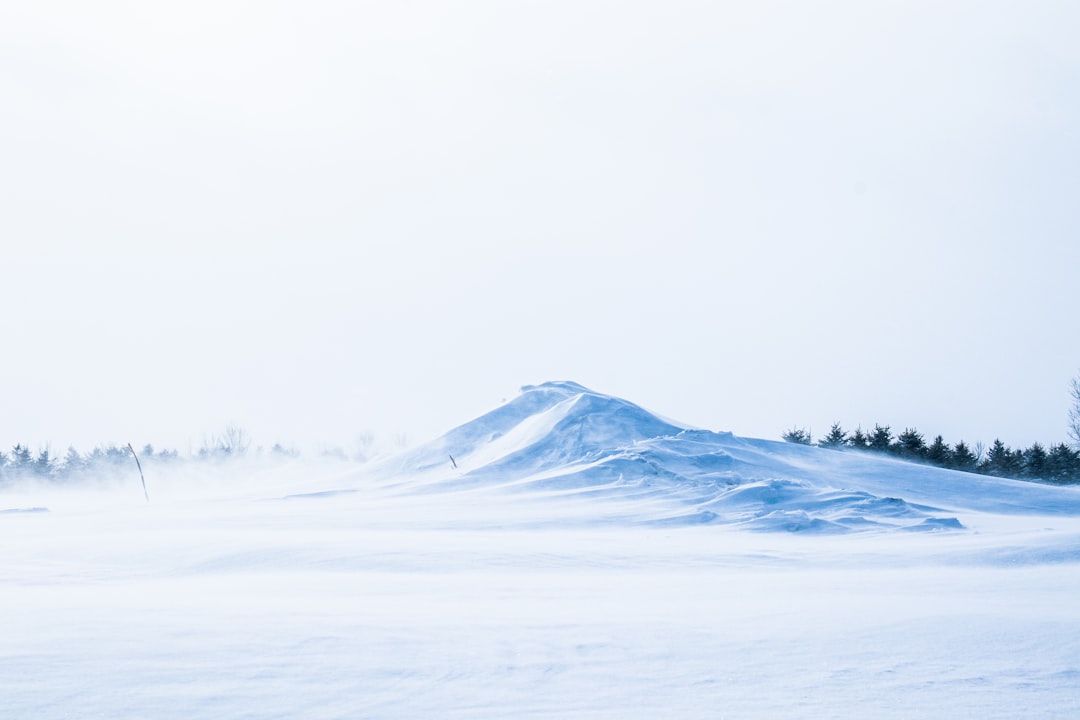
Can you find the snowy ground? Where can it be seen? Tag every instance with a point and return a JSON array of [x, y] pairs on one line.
[[396, 596]]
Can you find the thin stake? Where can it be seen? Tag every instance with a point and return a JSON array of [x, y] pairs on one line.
[[452, 461], [141, 476]]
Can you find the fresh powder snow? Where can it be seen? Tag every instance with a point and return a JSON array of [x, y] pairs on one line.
[[580, 557]]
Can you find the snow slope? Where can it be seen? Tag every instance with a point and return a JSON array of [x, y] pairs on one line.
[[586, 559]]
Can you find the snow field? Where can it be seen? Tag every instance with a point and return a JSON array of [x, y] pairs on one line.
[[338, 607], [586, 559]]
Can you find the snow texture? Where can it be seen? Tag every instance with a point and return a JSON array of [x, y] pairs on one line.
[[585, 558]]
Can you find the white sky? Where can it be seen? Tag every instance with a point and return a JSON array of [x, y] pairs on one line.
[[323, 218]]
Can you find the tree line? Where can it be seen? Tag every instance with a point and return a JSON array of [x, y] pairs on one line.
[[1057, 463], [107, 460], [21, 463]]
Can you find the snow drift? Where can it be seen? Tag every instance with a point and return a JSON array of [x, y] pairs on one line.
[[560, 440]]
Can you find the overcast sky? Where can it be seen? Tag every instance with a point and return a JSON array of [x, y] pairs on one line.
[[319, 219]]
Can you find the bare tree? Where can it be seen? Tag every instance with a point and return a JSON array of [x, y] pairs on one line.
[[234, 440], [1074, 411]]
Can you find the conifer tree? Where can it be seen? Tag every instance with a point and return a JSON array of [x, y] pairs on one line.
[[939, 453], [997, 459], [1035, 462], [963, 458], [799, 436], [881, 438], [73, 463], [1014, 463], [910, 444], [1063, 464], [835, 439], [21, 459], [858, 439], [43, 464]]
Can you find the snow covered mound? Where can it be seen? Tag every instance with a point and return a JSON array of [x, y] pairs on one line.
[[559, 441], [549, 426]]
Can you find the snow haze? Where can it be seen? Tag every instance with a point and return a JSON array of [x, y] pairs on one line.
[[581, 557], [319, 219]]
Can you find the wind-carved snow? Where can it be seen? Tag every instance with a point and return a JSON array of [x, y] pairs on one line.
[[560, 439], [586, 559]]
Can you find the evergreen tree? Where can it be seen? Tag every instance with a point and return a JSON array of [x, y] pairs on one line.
[[835, 439], [43, 464], [1014, 463], [963, 458], [997, 460], [1035, 462], [881, 438], [104, 458], [1063, 464], [910, 444], [858, 439], [74, 463], [94, 459], [21, 459], [939, 453], [117, 456], [799, 436]]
